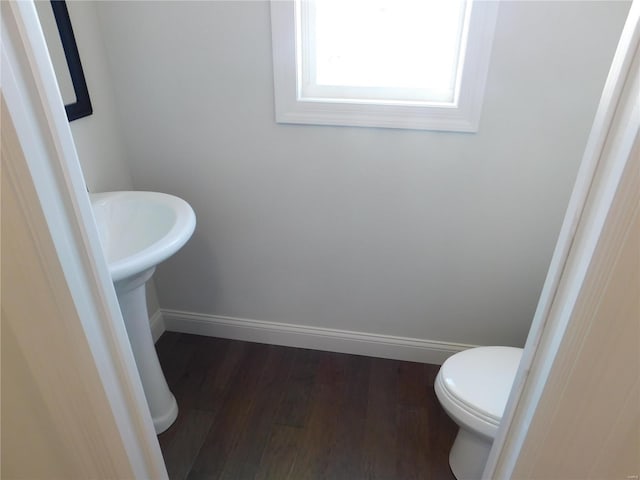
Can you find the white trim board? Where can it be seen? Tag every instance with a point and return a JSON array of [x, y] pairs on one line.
[[156, 323], [315, 338]]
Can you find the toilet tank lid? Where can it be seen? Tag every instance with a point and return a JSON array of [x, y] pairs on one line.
[[481, 378]]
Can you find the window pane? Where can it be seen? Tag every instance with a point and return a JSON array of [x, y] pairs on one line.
[[410, 44]]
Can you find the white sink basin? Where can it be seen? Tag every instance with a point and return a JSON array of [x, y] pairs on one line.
[[138, 230]]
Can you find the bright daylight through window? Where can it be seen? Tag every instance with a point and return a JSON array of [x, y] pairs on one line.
[[395, 53], [416, 64]]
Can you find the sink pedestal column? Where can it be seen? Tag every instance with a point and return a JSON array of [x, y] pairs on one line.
[[133, 305]]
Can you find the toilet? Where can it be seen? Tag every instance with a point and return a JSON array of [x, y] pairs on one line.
[[473, 387]]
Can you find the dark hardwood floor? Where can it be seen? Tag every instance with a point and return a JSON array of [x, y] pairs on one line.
[[254, 411]]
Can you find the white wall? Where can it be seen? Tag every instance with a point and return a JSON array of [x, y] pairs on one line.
[[98, 137], [427, 235]]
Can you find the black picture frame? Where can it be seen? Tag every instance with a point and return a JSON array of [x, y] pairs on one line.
[[82, 107]]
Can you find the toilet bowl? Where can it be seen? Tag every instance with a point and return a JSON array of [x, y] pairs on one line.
[[473, 387]]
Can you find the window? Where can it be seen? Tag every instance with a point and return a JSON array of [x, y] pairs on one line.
[[418, 64]]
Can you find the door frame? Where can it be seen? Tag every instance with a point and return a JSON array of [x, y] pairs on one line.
[[46, 180], [608, 151]]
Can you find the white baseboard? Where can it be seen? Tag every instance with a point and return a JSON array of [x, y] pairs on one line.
[[302, 336], [156, 322]]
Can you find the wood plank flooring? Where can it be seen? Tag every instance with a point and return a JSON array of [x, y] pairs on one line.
[[254, 411]]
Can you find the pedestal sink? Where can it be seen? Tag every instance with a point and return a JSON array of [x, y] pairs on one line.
[[138, 230]]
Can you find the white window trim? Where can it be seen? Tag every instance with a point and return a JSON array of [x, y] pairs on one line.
[[462, 116]]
